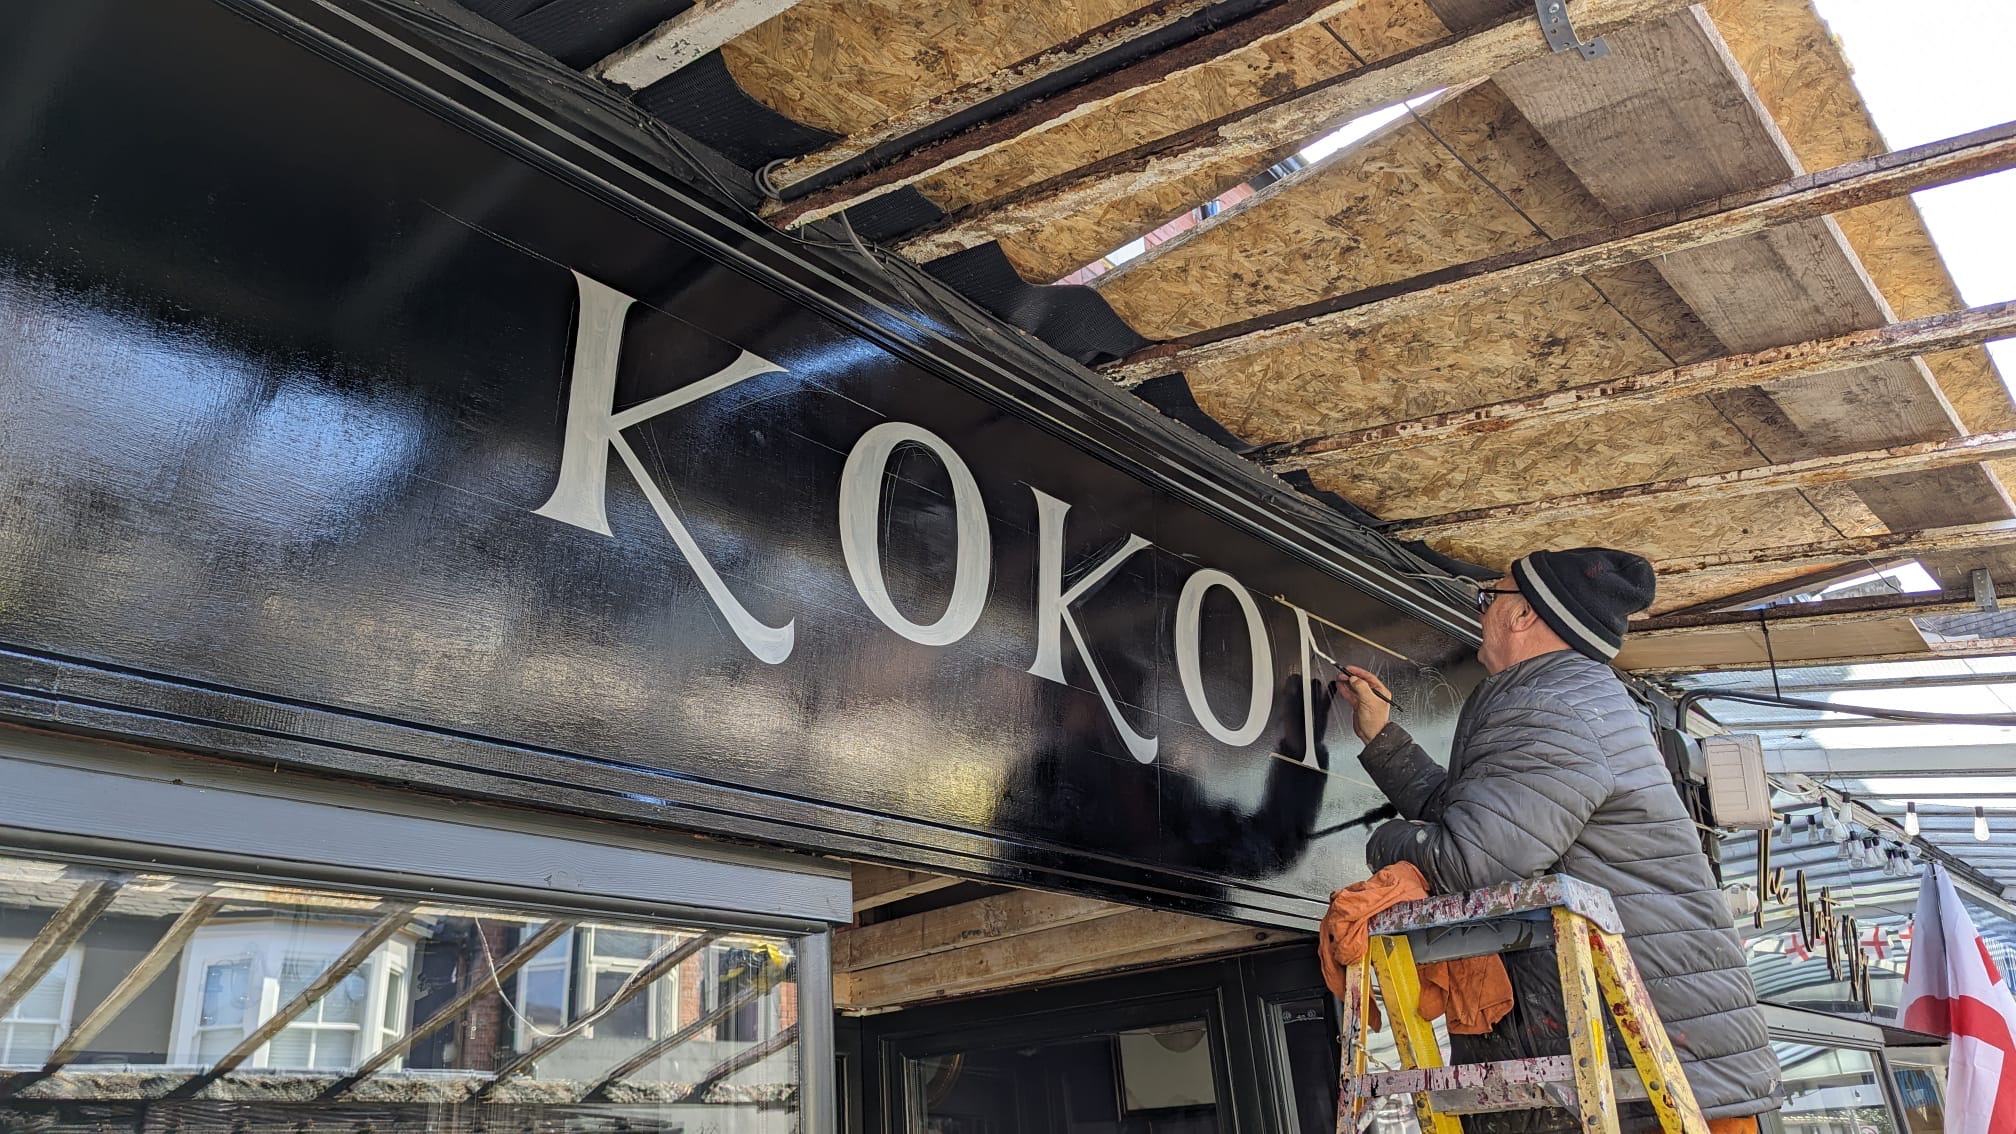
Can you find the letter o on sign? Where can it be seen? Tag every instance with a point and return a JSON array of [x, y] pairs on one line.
[[861, 543], [1189, 667]]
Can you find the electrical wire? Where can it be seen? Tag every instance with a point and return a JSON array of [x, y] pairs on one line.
[[1905, 716]]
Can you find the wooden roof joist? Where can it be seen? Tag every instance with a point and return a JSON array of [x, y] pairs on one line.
[[1825, 553], [1267, 24], [1937, 651], [684, 38], [1258, 134], [1951, 331], [1742, 214], [136, 981], [1872, 608], [1921, 457], [57, 935]]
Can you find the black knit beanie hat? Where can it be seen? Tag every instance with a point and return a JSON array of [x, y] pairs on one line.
[[1584, 594]]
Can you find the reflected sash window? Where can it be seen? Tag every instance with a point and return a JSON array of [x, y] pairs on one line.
[[38, 1021]]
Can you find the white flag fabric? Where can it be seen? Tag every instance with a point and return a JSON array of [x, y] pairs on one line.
[[1952, 988]]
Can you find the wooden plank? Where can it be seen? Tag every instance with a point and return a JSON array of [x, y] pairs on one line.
[[1660, 668], [1265, 26], [396, 918], [633, 985], [986, 919], [1823, 553], [882, 885], [1970, 327], [57, 935], [683, 39], [1749, 647], [1120, 940], [1870, 608], [1921, 457], [1052, 60], [489, 982], [1660, 234], [1253, 135], [136, 981]]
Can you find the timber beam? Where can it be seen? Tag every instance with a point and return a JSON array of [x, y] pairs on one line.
[[1830, 552], [1938, 651], [1950, 331], [1870, 608], [1858, 183], [684, 38], [1127, 939], [1921, 457], [991, 918], [136, 981], [883, 885], [1258, 134], [1263, 26]]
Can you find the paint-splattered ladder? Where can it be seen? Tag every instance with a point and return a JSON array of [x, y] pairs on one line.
[[1596, 970]]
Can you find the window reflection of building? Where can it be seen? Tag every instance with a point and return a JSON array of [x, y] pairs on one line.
[[30, 1029], [236, 977], [151, 991]]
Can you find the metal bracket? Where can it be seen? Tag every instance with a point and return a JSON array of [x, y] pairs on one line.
[[1560, 33], [1984, 589]]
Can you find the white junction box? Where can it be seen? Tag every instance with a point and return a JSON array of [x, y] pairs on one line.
[[1738, 791]]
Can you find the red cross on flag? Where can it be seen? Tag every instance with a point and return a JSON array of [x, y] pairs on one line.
[[1952, 988]]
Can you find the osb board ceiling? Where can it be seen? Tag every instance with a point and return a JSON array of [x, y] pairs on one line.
[[1802, 78], [845, 65], [1787, 645], [1371, 30], [1686, 108]]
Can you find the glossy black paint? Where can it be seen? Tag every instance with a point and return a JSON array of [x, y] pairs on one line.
[[283, 374]]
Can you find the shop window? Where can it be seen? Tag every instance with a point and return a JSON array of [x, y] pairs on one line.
[[31, 1029], [1152, 1079], [1830, 1090], [386, 1011]]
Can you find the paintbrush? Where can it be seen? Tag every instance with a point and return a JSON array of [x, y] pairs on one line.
[[1378, 814], [1342, 672]]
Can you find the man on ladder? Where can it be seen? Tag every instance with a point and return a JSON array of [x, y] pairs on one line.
[[1553, 770]]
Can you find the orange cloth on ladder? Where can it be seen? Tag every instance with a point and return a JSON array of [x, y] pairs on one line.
[[1744, 1125], [1473, 992]]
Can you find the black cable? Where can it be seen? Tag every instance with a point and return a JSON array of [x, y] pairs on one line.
[[1907, 716]]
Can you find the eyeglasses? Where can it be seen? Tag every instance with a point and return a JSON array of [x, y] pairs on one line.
[[1487, 595]]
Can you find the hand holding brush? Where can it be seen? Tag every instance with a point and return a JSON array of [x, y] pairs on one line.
[[1371, 702]]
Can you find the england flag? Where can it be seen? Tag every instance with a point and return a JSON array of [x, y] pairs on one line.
[[1952, 988]]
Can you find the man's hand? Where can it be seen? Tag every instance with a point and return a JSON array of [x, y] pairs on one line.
[[1370, 701]]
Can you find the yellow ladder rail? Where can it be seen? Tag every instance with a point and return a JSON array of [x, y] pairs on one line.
[[1599, 981]]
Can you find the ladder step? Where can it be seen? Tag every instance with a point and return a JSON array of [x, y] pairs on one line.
[[1488, 1088]]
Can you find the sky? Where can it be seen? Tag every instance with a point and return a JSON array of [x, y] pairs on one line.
[[1932, 69]]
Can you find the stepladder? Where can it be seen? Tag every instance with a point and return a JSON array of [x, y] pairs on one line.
[[1600, 984]]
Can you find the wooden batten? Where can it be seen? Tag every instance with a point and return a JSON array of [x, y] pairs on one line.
[[1835, 650], [1253, 135], [881, 885], [1921, 457], [1027, 125], [1824, 356], [1053, 60], [672, 45], [992, 918], [1120, 940], [1824, 553], [1742, 214], [1835, 612]]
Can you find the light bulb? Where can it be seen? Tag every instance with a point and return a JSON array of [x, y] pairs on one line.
[[1911, 819], [1981, 824]]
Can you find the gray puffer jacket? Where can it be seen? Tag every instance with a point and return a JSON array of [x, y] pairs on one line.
[[1555, 770]]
